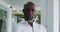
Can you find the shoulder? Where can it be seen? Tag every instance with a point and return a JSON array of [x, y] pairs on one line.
[[20, 24], [39, 25], [42, 27]]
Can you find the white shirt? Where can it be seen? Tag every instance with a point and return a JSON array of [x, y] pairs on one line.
[[23, 26]]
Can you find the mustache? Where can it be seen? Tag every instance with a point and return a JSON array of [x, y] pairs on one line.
[[30, 15]]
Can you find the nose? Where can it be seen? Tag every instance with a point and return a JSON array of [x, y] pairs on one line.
[[30, 12]]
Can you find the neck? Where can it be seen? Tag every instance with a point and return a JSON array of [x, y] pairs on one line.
[[30, 23]]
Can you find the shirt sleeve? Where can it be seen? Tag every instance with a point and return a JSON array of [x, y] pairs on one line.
[[44, 29]]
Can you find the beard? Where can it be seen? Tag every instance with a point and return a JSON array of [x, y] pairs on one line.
[[29, 18]]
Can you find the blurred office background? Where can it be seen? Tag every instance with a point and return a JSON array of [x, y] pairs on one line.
[[11, 13]]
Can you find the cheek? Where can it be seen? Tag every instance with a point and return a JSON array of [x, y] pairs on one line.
[[26, 12], [34, 13]]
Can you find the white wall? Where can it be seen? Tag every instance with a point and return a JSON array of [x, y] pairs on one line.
[[47, 14], [50, 15], [59, 15], [44, 12], [56, 16]]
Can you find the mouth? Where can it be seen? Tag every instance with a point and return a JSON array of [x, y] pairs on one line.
[[29, 17]]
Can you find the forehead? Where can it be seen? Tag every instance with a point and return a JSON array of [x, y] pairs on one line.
[[30, 7]]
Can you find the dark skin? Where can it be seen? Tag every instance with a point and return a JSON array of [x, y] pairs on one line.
[[30, 23], [29, 13]]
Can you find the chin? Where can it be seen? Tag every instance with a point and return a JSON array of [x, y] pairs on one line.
[[30, 20]]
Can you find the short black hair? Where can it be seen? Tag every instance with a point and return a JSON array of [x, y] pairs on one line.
[[31, 3], [28, 3]]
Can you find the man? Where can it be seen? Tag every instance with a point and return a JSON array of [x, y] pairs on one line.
[[29, 25]]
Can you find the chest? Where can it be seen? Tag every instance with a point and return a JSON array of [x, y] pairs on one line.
[[30, 29]]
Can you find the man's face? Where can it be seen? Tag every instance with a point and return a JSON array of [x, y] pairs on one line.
[[29, 12]]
